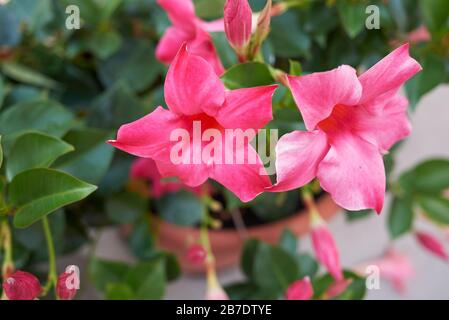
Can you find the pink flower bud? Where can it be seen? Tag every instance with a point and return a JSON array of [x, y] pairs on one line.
[[65, 288], [326, 250], [21, 286], [432, 244], [196, 254], [337, 288], [238, 23], [300, 290]]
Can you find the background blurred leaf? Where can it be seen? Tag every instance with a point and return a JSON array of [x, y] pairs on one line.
[[134, 64], [352, 15], [91, 157], [435, 208], [432, 176], [126, 207], [436, 14], [400, 217], [38, 192], [181, 208], [44, 150], [26, 75], [9, 27]]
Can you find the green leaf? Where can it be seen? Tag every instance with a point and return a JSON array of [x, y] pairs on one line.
[[46, 116], [118, 291], [126, 207], [435, 14], [44, 148], [141, 241], [352, 15], [357, 215], [134, 64], [181, 208], [91, 157], [295, 68], [2, 91], [308, 267], [245, 75], [435, 208], [248, 256], [241, 291], [23, 74], [104, 44], [1, 152], [431, 76], [432, 176], [103, 272], [274, 268], [400, 218], [37, 192], [289, 241], [147, 280], [208, 9], [9, 27], [224, 49]]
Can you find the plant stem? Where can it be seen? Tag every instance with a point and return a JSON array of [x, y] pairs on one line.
[[52, 275], [8, 263], [309, 202]]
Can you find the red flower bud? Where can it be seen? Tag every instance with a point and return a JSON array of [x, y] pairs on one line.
[[196, 254], [21, 285], [300, 290], [432, 244], [66, 288], [238, 23]]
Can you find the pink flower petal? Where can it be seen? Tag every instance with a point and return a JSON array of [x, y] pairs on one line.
[[192, 87], [180, 12], [169, 45], [247, 108], [317, 94], [326, 250], [246, 180], [298, 155], [389, 73], [213, 26], [203, 46], [237, 22], [149, 137], [384, 122], [353, 172], [192, 175], [432, 244]]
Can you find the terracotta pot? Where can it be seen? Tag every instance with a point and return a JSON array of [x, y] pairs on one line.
[[227, 244]]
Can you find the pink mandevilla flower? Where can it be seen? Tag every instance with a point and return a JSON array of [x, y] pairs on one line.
[[194, 94], [326, 250], [300, 290], [21, 285], [144, 168], [187, 27], [351, 121], [238, 23], [432, 244]]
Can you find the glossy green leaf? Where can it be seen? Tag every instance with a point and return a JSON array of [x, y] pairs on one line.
[[37, 192], [26, 75], [147, 280], [400, 218], [352, 15], [250, 74], [44, 150], [274, 268], [181, 208], [46, 116], [431, 176], [91, 157], [103, 272], [435, 208]]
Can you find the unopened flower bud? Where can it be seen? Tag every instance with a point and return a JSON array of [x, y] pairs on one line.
[[21, 285], [66, 288], [300, 290], [196, 254]]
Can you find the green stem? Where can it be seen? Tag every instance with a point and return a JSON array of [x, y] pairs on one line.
[[309, 202], [52, 274]]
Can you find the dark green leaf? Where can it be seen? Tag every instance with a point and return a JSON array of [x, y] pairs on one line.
[[308, 267], [400, 218], [26, 75], [432, 176], [44, 148], [38, 192], [141, 241], [357, 215], [289, 241], [91, 157], [352, 15], [181, 208], [248, 256], [102, 272], [435, 208], [250, 74], [46, 116], [118, 291], [126, 207], [147, 280], [1, 152], [9, 27], [242, 291], [435, 14]]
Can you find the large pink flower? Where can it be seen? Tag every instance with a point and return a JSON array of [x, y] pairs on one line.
[[197, 100], [351, 121], [187, 27]]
